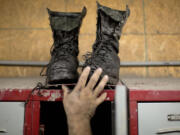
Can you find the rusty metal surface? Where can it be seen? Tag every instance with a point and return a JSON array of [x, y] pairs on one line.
[[131, 83], [20, 82]]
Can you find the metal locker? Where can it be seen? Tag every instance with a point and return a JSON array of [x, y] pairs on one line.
[[11, 118], [159, 118]]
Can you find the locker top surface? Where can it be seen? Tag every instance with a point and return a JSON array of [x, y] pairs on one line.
[[135, 83]]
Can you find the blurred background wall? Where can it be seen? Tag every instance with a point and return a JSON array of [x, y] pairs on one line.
[[152, 33]]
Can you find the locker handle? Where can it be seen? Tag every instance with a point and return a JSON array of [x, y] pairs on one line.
[[173, 117], [168, 130], [3, 130]]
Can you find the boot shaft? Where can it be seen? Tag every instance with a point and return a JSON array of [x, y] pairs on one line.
[[63, 65], [66, 21], [109, 25], [65, 28]]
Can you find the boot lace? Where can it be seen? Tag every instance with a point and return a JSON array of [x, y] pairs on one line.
[[100, 52], [60, 50], [63, 48]]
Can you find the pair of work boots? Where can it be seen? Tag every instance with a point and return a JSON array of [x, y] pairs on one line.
[[63, 65]]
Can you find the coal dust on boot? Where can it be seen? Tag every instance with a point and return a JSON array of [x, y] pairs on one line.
[[63, 65], [106, 47]]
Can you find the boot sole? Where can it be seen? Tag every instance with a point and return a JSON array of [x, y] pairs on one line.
[[113, 81], [65, 78]]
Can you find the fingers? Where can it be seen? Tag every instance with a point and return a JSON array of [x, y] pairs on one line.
[[65, 90], [101, 99], [82, 80], [94, 79], [101, 86]]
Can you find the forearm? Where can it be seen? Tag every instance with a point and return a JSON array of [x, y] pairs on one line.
[[81, 103], [79, 126]]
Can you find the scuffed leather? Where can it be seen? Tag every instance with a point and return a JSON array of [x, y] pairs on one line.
[[63, 65], [106, 47], [65, 21]]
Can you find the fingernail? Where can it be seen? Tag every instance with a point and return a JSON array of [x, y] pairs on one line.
[[106, 77], [100, 69], [88, 68]]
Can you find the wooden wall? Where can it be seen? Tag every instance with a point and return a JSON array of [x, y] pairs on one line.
[[152, 33]]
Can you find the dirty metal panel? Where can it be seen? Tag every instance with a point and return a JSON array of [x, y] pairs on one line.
[[153, 118], [11, 118]]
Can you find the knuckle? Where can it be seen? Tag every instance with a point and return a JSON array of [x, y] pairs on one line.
[[82, 78], [101, 86], [104, 80], [94, 79]]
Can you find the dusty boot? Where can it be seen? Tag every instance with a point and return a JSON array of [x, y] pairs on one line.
[[63, 65], [106, 47]]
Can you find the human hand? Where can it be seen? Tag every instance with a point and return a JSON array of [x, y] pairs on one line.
[[82, 102]]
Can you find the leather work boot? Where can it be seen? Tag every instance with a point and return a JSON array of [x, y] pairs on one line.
[[63, 65], [106, 47]]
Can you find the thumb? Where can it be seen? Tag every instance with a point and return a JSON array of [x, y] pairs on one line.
[[65, 90], [101, 99]]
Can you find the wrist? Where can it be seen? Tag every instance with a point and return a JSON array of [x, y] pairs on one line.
[[79, 125], [77, 119]]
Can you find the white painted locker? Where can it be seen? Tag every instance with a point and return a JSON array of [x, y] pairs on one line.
[[11, 118], [153, 118]]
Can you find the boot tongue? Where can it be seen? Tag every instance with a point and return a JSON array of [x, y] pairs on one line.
[[116, 15]]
